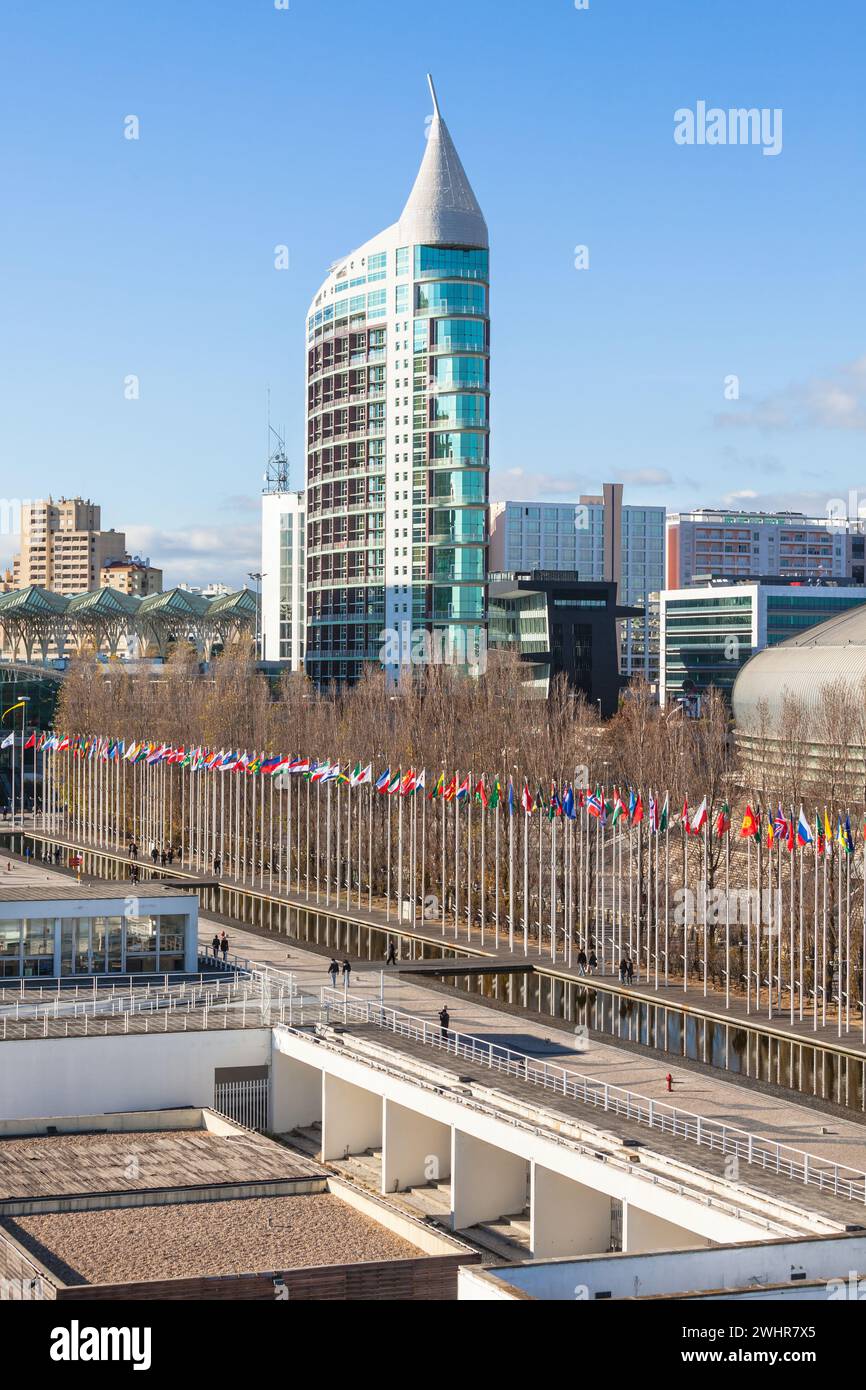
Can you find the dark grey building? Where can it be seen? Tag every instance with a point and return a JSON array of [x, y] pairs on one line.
[[560, 623]]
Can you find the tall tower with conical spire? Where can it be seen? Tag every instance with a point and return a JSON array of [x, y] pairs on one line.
[[397, 454]]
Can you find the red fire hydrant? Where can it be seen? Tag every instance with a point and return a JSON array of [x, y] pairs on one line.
[[670, 1081]]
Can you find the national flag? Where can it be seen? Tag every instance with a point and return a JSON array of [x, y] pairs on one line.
[[568, 803], [845, 839], [510, 797], [665, 815], [780, 825], [495, 793], [618, 810], [699, 819], [481, 794], [407, 786], [637, 813], [361, 775], [750, 824], [8, 741], [317, 773], [653, 813], [299, 765], [684, 816], [382, 782], [63, 745], [464, 789], [451, 790], [595, 805], [526, 799], [421, 780], [438, 788], [723, 819], [31, 742], [555, 807], [828, 832], [632, 802], [804, 834]]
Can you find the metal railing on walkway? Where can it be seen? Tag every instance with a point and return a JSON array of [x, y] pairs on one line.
[[829, 1177]]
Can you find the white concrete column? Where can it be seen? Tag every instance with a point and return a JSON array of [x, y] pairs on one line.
[[486, 1182], [296, 1093], [415, 1149], [566, 1218], [351, 1118], [643, 1230]]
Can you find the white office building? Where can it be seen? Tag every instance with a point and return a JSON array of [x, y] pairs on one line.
[[283, 613]]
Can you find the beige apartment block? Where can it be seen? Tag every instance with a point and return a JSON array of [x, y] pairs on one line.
[[63, 547]]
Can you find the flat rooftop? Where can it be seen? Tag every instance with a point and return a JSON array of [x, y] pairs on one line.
[[195, 1240], [58, 1165], [82, 892]]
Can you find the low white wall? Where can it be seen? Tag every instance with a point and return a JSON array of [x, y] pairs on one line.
[[141, 1071], [680, 1271]]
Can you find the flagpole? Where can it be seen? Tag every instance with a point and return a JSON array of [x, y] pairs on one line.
[[469, 862], [525, 881], [510, 794], [667, 884]]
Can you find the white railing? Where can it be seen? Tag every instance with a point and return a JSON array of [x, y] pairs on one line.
[[834, 1178]]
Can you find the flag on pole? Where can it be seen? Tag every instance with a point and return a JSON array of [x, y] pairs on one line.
[[382, 782], [804, 834], [8, 741], [510, 797], [723, 819], [463, 790], [568, 803], [637, 813], [750, 824], [665, 815], [699, 819], [495, 793], [438, 788], [526, 799]]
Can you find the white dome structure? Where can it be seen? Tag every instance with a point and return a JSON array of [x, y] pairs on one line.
[[831, 652]]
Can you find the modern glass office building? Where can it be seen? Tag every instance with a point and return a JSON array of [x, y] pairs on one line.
[[397, 417], [709, 632]]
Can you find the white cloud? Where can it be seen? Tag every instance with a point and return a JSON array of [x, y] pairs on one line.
[[199, 554], [833, 402]]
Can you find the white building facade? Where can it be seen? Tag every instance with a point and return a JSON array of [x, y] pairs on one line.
[[397, 429], [710, 541], [283, 615]]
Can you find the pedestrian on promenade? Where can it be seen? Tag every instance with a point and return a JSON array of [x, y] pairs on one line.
[[669, 1081], [131, 849], [629, 970], [217, 865], [444, 1022], [154, 854], [333, 971], [581, 962], [391, 957], [215, 946], [170, 855], [593, 962], [224, 946], [163, 858], [133, 873], [347, 973], [623, 970]]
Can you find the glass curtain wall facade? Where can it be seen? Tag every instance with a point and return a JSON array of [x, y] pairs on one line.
[[397, 454]]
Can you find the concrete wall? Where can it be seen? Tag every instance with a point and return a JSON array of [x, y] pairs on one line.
[[678, 1271], [142, 1071], [351, 1118], [566, 1217], [486, 1181], [296, 1094], [644, 1230], [415, 1149]]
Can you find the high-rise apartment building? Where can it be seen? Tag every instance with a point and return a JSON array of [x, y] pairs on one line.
[[738, 545], [397, 424], [63, 547], [601, 539], [283, 633]]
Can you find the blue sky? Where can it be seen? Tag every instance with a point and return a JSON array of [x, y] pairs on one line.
[[305, 126]]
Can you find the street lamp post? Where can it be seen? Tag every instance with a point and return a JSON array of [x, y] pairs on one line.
[[20, 704]]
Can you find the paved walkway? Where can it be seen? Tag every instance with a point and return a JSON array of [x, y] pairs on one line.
[[732, 1102]]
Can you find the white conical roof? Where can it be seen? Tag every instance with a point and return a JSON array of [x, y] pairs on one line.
[[442, 209]]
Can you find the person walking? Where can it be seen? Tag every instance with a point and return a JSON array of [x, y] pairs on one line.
[[444, 1022], [623, 970], [170, 855], [593, 962], [629, 971], [333, 971], [215, 946], [217, 865], [391, 957], [154, 854], [224, 946], [581, 962], [347, 973], [163, 858]]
